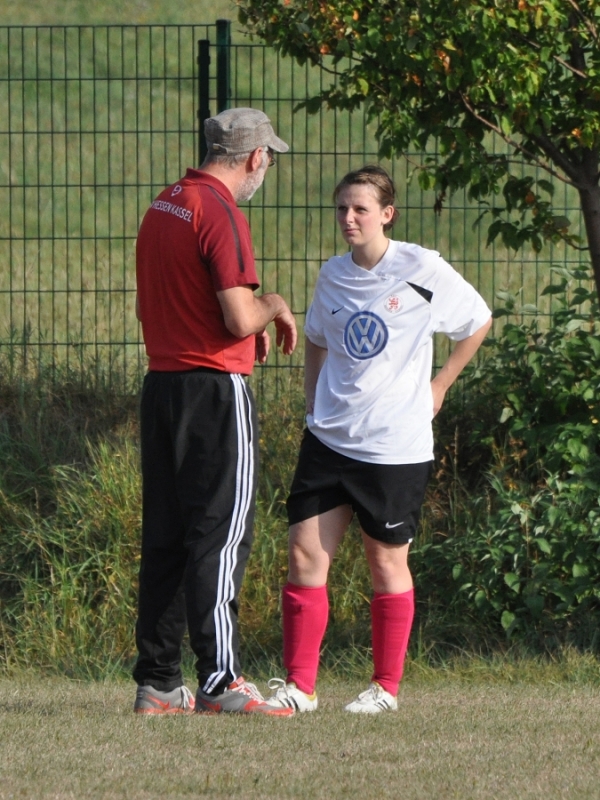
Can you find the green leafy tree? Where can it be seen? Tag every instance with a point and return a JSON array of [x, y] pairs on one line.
[[457, 71]]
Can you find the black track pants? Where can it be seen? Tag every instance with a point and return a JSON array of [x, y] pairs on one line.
[[199, 468]]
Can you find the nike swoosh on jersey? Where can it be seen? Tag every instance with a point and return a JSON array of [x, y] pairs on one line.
[[335, 310], [395, 525]]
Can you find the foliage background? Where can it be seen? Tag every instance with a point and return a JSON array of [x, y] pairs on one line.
[[454, 71]]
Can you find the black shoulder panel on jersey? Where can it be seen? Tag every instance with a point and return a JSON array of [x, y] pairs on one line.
[[236, 236], [425, 293]]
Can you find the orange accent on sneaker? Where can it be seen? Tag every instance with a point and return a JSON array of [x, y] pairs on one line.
[[242, 686], [257, 703], [164, 707], [240, 697], [258, 707]]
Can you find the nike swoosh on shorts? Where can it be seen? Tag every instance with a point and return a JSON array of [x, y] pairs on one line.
[[395, 525]]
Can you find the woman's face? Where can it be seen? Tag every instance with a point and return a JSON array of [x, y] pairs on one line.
[[360, 216]]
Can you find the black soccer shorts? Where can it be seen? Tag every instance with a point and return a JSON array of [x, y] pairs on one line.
[[386, 498]]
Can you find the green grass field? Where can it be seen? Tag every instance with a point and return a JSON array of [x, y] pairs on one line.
[[449, 740], [113, 12]]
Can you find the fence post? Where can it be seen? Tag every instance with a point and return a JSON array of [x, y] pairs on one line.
[[203, 90], [223, 64]]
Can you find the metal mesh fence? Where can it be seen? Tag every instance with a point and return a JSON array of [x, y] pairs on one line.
[[97, 120], [94, 121]]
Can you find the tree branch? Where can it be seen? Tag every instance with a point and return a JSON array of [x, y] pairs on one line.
[[570, 67], [587, 22], [572, 176], [558, 59], [579, 247], [558, 157]]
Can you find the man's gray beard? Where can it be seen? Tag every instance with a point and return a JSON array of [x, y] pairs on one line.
[[248, 188], [252, 182]]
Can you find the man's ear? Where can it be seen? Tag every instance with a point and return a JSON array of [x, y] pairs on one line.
[[255, 159]]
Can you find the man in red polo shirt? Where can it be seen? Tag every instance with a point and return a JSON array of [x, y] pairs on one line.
[[203, 328]]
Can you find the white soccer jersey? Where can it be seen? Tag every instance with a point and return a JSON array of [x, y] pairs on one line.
[[373, 398]]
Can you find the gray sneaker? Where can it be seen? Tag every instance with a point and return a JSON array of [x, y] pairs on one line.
[[240, 697], [149, 700]]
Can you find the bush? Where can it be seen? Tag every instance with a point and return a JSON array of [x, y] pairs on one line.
[[520, 455]]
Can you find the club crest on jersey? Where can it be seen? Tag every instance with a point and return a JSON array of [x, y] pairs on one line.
[[365, 335], [393, 304]]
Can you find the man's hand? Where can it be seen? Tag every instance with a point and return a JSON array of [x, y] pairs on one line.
[[287, 335], [263, 345], [246, 314]]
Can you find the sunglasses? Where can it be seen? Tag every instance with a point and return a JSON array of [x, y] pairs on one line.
[[271, 155]]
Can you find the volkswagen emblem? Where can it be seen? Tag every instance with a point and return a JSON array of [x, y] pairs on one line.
[[365, 335]]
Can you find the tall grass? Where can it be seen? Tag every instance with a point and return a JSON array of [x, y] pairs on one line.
[[505, 562], [70, 531], [69, 519]]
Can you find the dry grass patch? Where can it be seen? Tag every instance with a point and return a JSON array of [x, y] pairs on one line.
[[62, 739]]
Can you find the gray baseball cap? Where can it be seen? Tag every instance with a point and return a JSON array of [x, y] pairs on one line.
[[241, 130]]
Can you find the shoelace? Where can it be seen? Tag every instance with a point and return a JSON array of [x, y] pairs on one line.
[[280, 687], [250, 689], [186, 697], [377, 695], [374, 692]]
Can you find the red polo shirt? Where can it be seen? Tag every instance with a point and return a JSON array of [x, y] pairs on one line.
[[193, 242]]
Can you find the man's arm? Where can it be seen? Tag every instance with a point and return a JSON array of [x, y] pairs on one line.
[[314, 359], [246, 314], [457, 360]]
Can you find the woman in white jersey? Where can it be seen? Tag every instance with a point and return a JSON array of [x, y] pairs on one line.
[[368, 446]]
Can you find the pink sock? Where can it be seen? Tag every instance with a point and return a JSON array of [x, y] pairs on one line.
[[391, 621], [305, 614]]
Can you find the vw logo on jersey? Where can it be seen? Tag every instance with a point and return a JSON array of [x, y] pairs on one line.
[[365, 335]]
